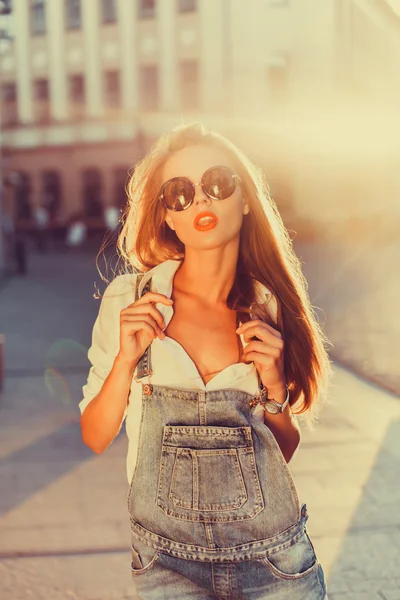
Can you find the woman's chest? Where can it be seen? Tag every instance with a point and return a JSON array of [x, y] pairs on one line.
[[208, 337]]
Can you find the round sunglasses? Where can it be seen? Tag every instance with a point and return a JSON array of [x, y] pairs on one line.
[[218, 183]]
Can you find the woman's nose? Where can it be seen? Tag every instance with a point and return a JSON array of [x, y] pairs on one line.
[[200, 196]]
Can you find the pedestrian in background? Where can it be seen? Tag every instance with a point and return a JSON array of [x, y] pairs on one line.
[[9, 240], [76, 231], [42, 218], [208, 346]]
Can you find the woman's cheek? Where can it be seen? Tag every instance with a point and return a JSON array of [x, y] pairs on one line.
[[183, 228]]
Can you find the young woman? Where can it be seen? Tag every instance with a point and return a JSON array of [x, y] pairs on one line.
[[208, 345]]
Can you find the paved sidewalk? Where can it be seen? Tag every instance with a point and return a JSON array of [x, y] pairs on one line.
[[64, 530]]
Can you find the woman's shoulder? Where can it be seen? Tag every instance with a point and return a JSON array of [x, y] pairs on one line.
[[121, 290]]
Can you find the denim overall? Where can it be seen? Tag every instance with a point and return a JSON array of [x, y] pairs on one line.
[[213, 508]]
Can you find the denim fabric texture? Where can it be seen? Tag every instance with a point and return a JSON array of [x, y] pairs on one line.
[[213, 507]]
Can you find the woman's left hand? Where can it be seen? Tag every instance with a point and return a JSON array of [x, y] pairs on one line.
[[266, 352]]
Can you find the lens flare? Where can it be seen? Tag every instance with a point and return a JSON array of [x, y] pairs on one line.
[[57, 386], [66, 353]]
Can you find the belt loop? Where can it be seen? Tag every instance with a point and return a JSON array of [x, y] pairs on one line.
[[304, 513]]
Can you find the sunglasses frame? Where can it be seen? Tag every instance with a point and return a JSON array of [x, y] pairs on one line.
[[186, 179]]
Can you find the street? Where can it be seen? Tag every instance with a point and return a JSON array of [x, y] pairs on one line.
[[64, 527]]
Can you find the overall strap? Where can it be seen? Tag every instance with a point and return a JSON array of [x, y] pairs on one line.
[[260, 383], [144, 368]]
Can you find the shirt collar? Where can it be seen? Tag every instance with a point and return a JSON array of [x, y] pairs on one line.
[[163, 275]]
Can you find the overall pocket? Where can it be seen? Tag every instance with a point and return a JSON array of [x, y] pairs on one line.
[[208, 474], [143, 558], [295, 561]]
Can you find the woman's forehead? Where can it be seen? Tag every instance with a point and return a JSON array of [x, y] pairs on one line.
[[193, 161]]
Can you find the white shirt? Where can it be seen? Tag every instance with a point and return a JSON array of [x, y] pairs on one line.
[[171, 365]]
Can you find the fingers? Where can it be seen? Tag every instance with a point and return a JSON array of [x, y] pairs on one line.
[[133, 323], [265, 360], [153, 297], [259, 324], [145, 309], [262, 348], [263, 332], [141, 307]]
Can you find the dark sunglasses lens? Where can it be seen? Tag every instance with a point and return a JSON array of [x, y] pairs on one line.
[[219, 183], [178, 194]]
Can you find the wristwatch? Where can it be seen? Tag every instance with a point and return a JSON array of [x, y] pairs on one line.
[[269, 404]]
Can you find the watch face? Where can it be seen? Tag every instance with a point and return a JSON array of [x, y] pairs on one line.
[[272, 408]]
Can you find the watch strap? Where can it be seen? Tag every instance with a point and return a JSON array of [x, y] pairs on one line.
[[262, 398]]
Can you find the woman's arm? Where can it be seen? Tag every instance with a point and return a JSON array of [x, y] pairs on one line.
[[102, 418], [283, 425]]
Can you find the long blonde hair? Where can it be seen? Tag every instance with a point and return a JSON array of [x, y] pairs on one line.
[[265, 255]]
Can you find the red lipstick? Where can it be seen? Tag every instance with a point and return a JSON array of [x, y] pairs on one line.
[[205, 220]]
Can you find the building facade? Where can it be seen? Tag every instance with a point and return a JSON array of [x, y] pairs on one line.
[[87, 85]]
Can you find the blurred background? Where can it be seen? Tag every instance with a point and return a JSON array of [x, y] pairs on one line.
[[310, 90]]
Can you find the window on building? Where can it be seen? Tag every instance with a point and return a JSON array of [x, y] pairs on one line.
[[187, 5], [41, 89], [38, 17], [9, 111], [73, 14], [149, 87], [41, 100], [92, 188], [147, 9], [22, 195], [52, 193], [189, 84], [9, 92], [112, 91], [77, 89], [109, 11], [5, 7], [77, 95]]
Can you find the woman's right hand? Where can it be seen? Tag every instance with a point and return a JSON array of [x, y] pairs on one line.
[[140, 324]]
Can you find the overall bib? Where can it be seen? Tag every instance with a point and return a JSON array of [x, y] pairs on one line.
[[213, 508]]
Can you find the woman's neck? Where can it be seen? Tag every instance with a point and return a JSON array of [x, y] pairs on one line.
[[207, 275]]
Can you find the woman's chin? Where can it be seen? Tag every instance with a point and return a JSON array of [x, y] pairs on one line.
[[209, 240]]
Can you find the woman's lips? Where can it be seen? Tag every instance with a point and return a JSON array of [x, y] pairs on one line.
[[205, 221]]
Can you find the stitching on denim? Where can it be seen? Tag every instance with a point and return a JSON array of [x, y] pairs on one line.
[[161, 471], [195, 481], [286, 471], [241, 499], [240, 552], [209, 430], [209, 535], [240, 477], [140, 441], [147, 567], [293, 577], [206, 518], [172, 450], [216, 395], [234, 583], [256, 479], [258, 502], [202, 408]]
